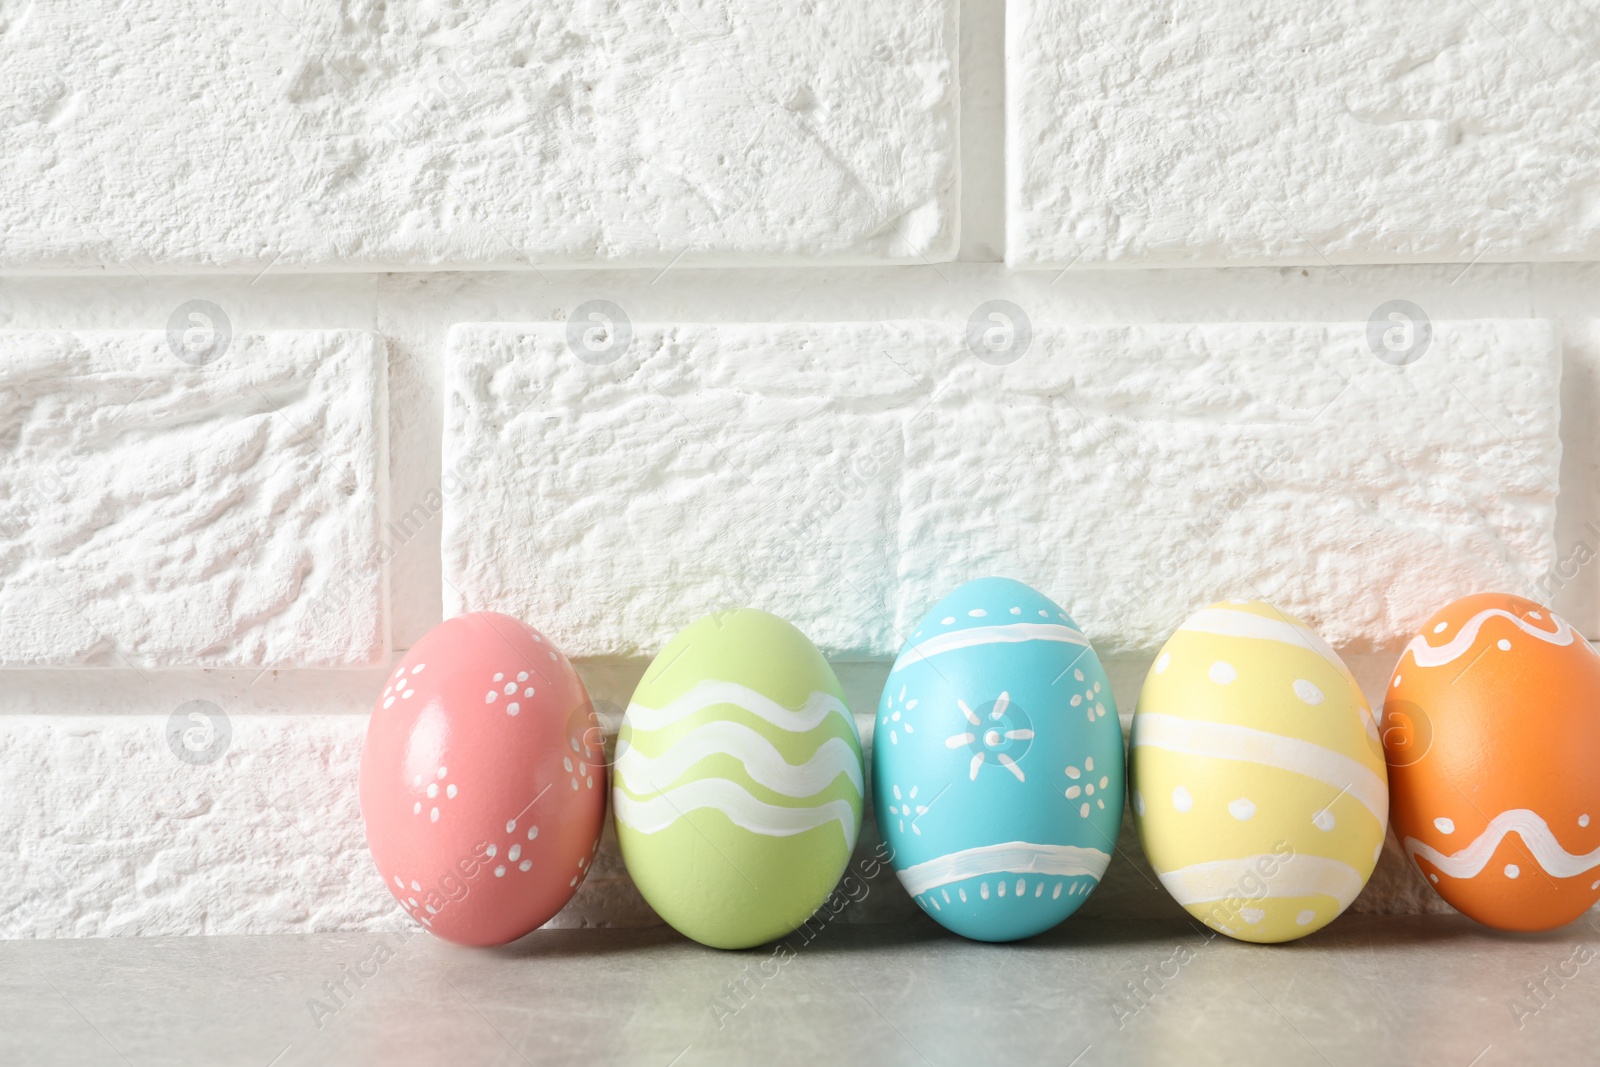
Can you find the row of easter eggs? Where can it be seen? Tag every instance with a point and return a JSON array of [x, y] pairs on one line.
[[1260, 781]]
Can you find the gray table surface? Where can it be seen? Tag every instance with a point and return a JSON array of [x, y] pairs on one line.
[[1367, 990]]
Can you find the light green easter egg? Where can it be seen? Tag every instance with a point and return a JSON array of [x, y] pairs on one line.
[[738, 782]]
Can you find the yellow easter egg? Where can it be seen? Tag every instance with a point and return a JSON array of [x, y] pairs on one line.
[[1258, 780]]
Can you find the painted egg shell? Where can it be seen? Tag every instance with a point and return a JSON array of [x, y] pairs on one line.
[[1492, 730], [482, 781], [997, 763], [738, 788], [1258, 779]]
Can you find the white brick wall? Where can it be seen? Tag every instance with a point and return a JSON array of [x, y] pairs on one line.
[[1356, 132], [769, 196], [501, 134]]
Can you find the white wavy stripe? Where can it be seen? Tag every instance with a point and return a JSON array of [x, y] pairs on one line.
[[1227, 741], [761, 760], [735, 801], [1535, 833], [1228, 622], [711, 692], [1009, 634], [1426, 655], [1297, 875], [1012, 857]]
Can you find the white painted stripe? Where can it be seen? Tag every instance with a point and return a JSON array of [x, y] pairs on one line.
[[1247, 878], [759, 757], [1011, 633], [1426, 655], [656, 813], [1535, 833], [1229, 622], [1012, 857], [1227, 741], [712, 692]]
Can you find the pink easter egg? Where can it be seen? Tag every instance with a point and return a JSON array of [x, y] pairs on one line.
[[483, 780]]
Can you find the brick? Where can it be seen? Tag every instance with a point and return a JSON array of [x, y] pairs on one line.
[[499, 134], [219, 510], [1156, 134], [1131, 472]]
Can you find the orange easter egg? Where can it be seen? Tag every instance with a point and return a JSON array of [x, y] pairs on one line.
[[1491, 729]]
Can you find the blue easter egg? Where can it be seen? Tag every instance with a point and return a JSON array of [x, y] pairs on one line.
[[997, 763]]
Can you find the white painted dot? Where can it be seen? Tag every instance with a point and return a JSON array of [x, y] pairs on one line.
[[1073, 792], [1181, 799], [1441, 628], [525, 865], [433, 789], [1073, 772], [566, 763], [1016, 611], [388, 702], [1252, 915], [1305, 917], [1044, 614], [1583, 820], [1002, 887], [1242, 809], [1138, 803], [1078, 675], [491, 697], [1444, 826], [1097, 687], [1089, 789], [417, 780], [1512, 870], [522, 676], [1434, 878], [983, 890], [433, 816], [978, 613], [1396, 683], [500, 872], [1222, 673], [1038, 890], [1502, 644], [511, 688], [513, 707], [450, 790], [515, 853], [407, 694], [1021, 885], [1323, 820], [1083, 810], [574, 785], [1307, 692], [962, 893], [1534, 615], [1077, 698], [1163, 661], [1088, 763], [590, 782], [1055, 894], [533, 832], [418, 668], [528, 692], [510, 826], [398, 882], [416, 809], [499, 677], [947, 620], [1104, 781], [490, 851], [441, 772]]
